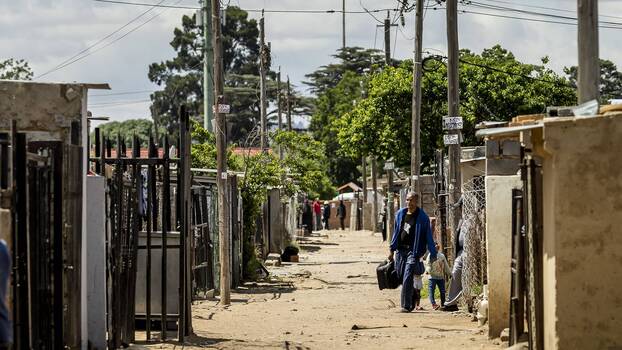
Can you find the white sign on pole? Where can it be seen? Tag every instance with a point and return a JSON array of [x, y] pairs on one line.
[[389, 166], [451, 139], [222, 109], [452, 123]]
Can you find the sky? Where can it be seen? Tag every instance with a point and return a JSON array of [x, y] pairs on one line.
[[46, 33]]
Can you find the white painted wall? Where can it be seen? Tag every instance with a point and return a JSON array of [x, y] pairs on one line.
[[499, 249], [95, 267]]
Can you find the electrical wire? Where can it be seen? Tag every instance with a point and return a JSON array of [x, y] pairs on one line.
[[527, 12], [59, 66], [545, 8], [329, 11], [123, 93]]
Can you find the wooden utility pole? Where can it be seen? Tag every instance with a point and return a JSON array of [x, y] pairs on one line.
[[278, 98], [221, 159], [387, 39], [262, 85], [415, 145], [289, 106], [364, 182], [453, 98], [588, 77], [208, 63], [343, 25], [374, 185]]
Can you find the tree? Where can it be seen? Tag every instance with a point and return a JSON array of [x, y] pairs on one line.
[[12, 69], [338, 86], [493, 86], [350, 59], [142, 128], [182, 76], [610, 80]]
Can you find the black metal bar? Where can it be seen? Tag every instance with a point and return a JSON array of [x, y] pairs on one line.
[[4, 161], [20, 245], [134, 237], [166, 226], [151, 209], [98, 152], [139, 161]]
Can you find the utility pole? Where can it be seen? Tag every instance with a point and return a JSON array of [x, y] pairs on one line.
[[374, 185], [262, 85], [343, 25], [453, 98], [588, 77], [415, 145], [387, 40], [221, 158], [364, 171], [278, 98], [289, 106], [208, 63]]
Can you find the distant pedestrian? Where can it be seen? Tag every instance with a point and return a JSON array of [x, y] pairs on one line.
[[341, 214], [412, 236], [307, 217], [317, 213], [326, 214], [439, 272], [6, 328]]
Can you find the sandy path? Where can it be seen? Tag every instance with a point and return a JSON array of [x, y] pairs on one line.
[[316, 303]]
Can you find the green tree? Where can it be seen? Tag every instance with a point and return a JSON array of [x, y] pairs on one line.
[[12, 69], [493, 86], [610, 80], [337, 87], [182, 76], [142, 128], [349, 59]]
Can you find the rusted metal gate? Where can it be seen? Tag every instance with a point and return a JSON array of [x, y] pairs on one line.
[[149, 216], [526, 287], [45, 188]]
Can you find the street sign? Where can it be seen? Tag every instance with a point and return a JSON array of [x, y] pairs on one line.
[[389, 166], [453, 139], [222, 109], [452, 123]]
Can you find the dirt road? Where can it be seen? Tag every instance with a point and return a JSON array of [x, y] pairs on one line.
[[330, 300]]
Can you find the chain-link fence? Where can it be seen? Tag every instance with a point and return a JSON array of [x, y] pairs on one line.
[[474, 224]]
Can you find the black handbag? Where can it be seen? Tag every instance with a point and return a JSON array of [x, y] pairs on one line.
[[387, 276]]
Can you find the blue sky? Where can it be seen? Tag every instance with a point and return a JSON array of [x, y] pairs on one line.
[[47, 32]]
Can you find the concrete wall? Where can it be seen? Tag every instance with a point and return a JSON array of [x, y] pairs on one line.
[[499, 249], [582, 246]]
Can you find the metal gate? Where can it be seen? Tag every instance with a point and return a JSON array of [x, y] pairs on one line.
[[45, 190], [526, 287], [149, 217]]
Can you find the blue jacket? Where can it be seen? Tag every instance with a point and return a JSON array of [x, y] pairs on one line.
[[6, 329], [422, 229]]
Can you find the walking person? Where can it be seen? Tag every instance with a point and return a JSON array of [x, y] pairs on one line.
[[412, 236], [439, 272], [326, 214], [455, 287], [317, 213], [341, 214], [307, 217]]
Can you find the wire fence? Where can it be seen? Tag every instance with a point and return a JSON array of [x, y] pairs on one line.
[[474, 224]]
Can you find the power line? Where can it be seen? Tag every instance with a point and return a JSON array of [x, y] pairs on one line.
[[119, 103], [545, 8], [86, 54], [329, 11], [60, 65], [527, 12], [462, 11], [123, 93]]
